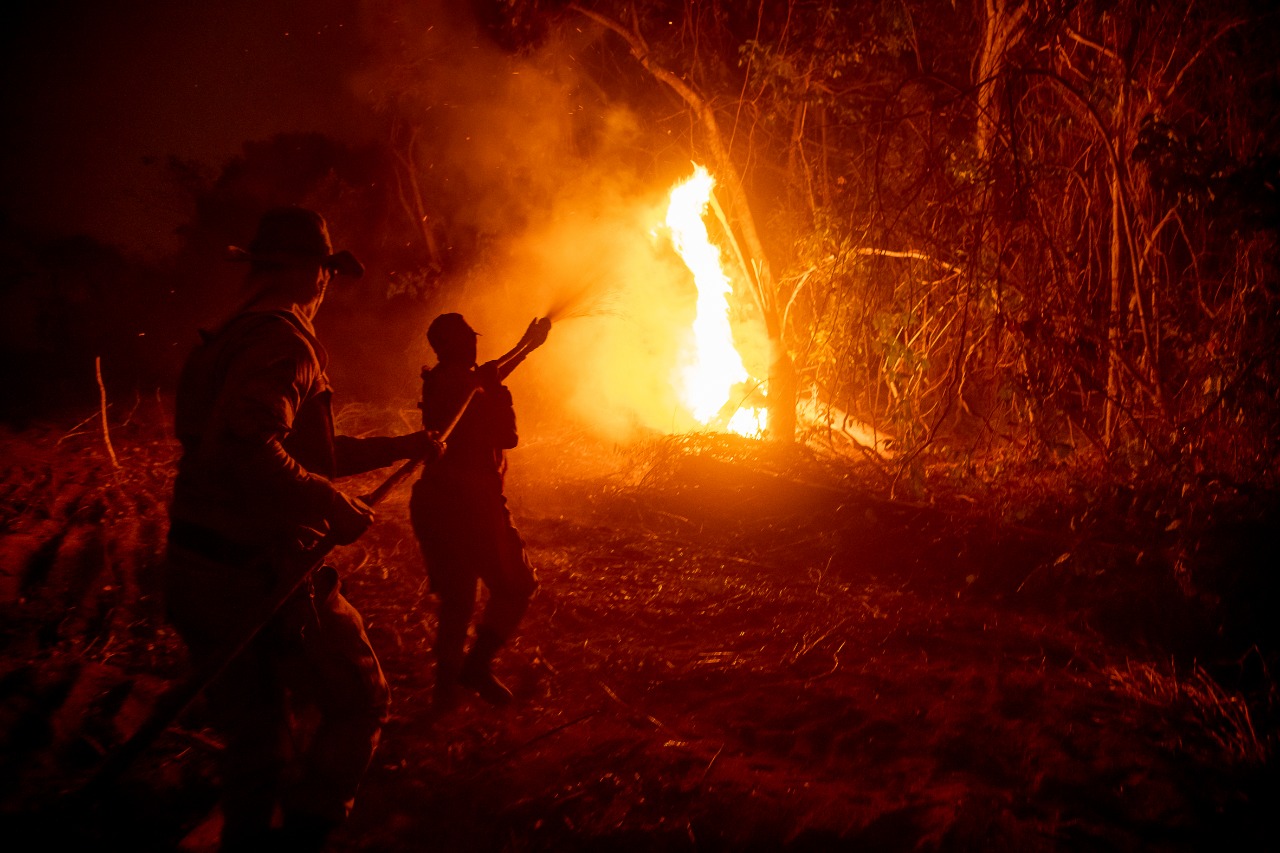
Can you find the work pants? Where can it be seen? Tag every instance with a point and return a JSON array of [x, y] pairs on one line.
[[468, 537], [313, 655]]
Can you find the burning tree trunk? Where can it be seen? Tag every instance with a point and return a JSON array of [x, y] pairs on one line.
[[756, 269]]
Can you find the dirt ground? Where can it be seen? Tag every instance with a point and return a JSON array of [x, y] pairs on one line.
[[732, 648]]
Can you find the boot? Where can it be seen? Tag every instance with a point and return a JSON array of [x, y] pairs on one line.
[[445, 695], [445, 698], [304, 834], [476, 673]]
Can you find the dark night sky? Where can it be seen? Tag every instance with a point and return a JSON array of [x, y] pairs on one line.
[[93, 91]]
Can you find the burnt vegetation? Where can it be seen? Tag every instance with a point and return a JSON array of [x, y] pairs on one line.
[[1034, 243]]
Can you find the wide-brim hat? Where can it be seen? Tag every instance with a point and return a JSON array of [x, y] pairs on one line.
[[292, 236]]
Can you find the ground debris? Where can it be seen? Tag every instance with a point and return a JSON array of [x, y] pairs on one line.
[[734, 647]]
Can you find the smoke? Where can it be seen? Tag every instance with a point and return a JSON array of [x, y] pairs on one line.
[[628, 304], [528, 155], [542, 182]]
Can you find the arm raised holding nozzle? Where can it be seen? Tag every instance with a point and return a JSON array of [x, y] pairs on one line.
[[459, 512], [493, 372]]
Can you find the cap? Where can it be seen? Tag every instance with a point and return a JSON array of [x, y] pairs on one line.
[[448, 328]]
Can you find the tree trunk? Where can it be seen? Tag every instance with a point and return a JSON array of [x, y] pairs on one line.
[[1003, 27], [1113, 317], [782, 383]]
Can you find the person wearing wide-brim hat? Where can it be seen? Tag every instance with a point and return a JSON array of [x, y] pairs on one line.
[[295, 237], [253, 491]]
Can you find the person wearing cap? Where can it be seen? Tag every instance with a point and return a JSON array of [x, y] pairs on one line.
[[253, 491], [459, 513]]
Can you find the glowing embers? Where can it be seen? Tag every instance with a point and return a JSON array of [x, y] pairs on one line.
[[710, 384]]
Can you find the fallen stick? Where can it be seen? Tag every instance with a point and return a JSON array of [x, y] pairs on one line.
[[102, 403], [521, 747]]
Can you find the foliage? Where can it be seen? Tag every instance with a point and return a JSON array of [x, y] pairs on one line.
[[352, 186], [994, 222], [1043, 225]]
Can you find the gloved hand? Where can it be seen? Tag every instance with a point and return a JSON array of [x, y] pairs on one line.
[[348, 518], [422, 445], [536, 335]]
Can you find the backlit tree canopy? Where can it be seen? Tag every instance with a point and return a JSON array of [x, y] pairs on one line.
[[1051, 222]]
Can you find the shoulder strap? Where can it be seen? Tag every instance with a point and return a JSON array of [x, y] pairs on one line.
[[205, 371]]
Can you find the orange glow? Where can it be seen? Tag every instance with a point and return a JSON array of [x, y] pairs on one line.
[[713, 373]]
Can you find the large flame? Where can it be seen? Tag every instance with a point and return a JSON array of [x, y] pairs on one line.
[[715, 368]]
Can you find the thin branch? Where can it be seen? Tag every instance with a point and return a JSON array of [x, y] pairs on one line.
[[753, 280], [911, 254], [102, 402], [703, 110]]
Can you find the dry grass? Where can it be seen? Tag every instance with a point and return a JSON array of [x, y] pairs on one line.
[[734, 647], [1217, 715]]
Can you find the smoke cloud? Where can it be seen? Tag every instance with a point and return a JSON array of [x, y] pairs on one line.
[[542, 176], [568, 200]]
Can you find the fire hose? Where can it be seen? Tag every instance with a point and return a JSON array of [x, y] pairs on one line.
[[174, 701]]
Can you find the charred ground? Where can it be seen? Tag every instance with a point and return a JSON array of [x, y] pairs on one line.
[[733, 648]]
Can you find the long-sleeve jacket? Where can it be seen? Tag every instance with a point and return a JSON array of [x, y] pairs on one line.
[[254, 417], [473, 457]]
